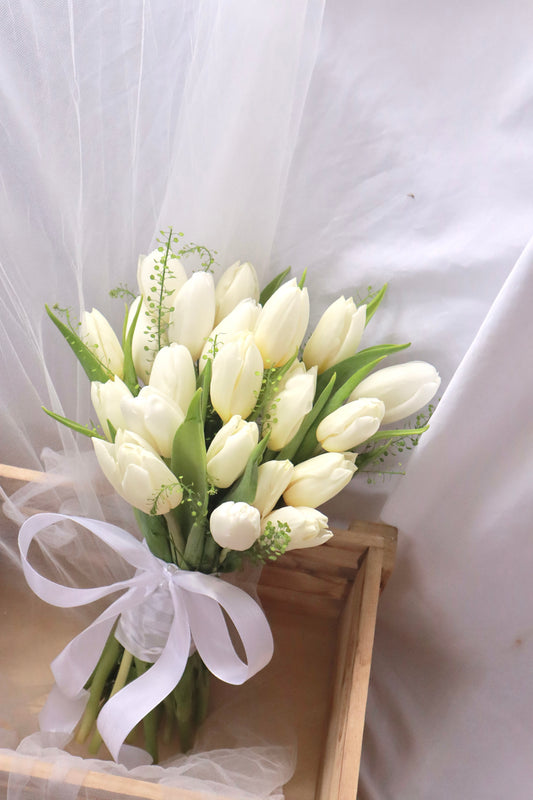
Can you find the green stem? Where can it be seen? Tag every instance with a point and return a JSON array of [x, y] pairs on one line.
[[177, 541], [161, 292], [194, 548], [210, 555], [170, 715], [202, 689], [106, 664], [120, 682], [184, 697]]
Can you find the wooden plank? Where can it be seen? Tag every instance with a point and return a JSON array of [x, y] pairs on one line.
[[340, 772], [304, 582], [96, 783], [329, 778], [361, 649], [379, 532], [318, 606], [20, 474]]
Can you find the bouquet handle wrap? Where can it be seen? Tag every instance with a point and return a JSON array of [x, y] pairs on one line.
[[197, 603]]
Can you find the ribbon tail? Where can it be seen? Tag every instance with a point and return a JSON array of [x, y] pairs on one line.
[[130, 705], [210, 632], [60, 713], [73, 667]]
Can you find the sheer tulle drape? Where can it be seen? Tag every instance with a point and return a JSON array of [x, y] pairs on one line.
[[118, 120]]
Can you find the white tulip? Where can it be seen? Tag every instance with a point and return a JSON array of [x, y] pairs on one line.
[[318, 479], [193, 316], [282, 324], [235, 525], [153, 416], [149, 270], [237, 376], [99, 336], [337, 334], [351, 424], [229, 451], [173, 374], [308, 527], [137, 473], [144, 344], [242, 318], [403, 388], [237, 283], [106, 398], [272, 479], [293, 400]]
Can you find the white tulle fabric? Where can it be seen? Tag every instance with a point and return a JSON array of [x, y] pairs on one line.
[[406, 156], [119, 119]]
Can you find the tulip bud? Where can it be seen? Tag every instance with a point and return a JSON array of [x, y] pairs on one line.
[[318, 479], [308, 527], [149, 271], [106, 398], [99, 336], [403, 388], [235, 525], [242, 318], [237, 377], [350, 424], [173, 374], [137, 473], [282, 324], [293, 400], [229, 451], [237, 283], [272, 479], [337, 334], [153, 416], [144, 342], [192, 319]]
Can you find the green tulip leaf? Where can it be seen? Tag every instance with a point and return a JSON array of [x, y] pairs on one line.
[[130, 376], [75, 426], [364, 459], [310, 441], [270, 387], [94, 369], [301, 283], [188, 463], [291, 449], [196, 541], [344, 391], [344, 369], [204, 383], [154, 530], [373, 305], [244, 489], [112, 430], [274, 284], [398, 432]]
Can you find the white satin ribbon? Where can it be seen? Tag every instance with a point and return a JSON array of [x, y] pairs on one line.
[[197, 603]]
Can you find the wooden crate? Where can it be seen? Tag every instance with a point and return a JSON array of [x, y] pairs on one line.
[[322, 605]]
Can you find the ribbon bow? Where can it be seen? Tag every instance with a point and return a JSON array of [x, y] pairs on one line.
[[197, 603]]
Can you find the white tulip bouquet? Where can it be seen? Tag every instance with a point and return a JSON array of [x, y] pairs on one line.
[[225, 432]]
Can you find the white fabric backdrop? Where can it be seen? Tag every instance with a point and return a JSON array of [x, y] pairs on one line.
[[405, 156]]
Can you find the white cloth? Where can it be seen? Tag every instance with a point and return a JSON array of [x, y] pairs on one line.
[[409, 159]]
